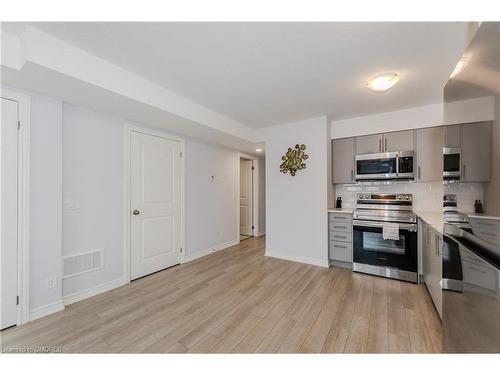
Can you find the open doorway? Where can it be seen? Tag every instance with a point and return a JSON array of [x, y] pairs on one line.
[[246, 199]]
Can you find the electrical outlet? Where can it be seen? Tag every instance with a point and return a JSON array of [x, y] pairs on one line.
[[51, 282]]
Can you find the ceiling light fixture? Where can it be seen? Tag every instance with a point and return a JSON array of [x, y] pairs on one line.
[[459, 67], [258, 149], [382, 82]]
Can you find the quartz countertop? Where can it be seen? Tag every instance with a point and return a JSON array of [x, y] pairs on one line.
[[342, 210], [434, 219]]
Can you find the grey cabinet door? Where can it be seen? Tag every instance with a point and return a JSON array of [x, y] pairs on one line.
[[398, 141], [476, 152], [343, 160], [429, 154], [369, 144], [453, 136]]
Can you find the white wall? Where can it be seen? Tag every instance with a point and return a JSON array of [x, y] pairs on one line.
[[93, 177], [46, 209], [211, 205], [479, 109], [296, 216]]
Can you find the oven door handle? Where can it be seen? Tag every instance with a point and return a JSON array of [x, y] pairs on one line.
[[380, 224]]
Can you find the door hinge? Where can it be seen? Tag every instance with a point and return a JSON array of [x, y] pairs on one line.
[[17, 300], [18, 125]]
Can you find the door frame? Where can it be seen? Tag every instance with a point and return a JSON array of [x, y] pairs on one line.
[[23, 204], [129, 128], [255, 194]]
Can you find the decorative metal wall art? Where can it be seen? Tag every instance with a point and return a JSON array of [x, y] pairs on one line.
[[294, 159]]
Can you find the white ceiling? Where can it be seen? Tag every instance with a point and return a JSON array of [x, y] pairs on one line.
[[262, 74]]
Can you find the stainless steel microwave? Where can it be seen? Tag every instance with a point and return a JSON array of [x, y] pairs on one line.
[[451, 163], [385, 166]]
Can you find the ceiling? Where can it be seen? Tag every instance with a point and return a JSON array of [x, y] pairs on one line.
[[262, 74]]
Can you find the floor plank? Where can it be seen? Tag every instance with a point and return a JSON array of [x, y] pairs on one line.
[[238, 300]]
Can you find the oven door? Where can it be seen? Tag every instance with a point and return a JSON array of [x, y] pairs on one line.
[[370, 248], [376, 166]]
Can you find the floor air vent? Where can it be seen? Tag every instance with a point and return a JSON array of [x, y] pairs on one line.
[[77, 264]]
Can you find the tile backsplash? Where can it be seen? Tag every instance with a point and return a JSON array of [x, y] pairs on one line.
[[467, 193], [427, 196]]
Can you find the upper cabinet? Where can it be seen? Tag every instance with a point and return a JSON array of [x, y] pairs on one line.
[[398, 141], [476, 152], [453, 136], [429, 154], [394, 141], [369, 144], [343, 151]]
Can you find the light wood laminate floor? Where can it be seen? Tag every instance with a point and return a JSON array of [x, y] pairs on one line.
[[238, 300]]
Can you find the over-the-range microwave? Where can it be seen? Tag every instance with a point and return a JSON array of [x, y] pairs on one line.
[[385, 166]]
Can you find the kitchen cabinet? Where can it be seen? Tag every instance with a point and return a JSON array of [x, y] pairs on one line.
[[398, 141], [388, 142], [432, 242], [429, 154], [452, 136], [340, 238], [369, 144], [476, 152], [343, 151]]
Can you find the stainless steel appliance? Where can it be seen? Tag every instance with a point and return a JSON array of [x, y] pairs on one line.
[[451, 163], [471, 322], [385, 166], [451, 214], [394, 258]]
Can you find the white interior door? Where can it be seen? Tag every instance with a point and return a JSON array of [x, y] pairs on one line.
[[246, 197], [155, 194], [8, 218]]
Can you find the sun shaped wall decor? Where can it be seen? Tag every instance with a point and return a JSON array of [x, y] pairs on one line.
[[294, 159]]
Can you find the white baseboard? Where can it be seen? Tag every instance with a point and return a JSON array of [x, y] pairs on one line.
[[47, 309], [91, 292], [209, 251], [300, 259], [260, 234]]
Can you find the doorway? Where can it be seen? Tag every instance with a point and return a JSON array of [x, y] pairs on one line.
[[155, 203], [246, 199]]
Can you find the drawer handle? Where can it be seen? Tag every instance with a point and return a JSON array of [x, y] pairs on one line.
[[340, 226], [339, 236], [339, 217], [342, 247]]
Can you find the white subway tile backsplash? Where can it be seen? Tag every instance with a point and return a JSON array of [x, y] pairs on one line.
[[426, 196]]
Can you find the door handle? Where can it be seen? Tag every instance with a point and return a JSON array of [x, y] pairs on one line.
[[136, 212]]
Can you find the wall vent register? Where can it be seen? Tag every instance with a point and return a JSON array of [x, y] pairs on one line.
[[78, 264]]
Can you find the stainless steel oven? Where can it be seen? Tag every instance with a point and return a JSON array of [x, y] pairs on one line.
[[385, 166], [395, 257], [451, 163]]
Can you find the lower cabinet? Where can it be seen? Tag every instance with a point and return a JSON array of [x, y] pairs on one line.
[[432, 242], [340, 238]]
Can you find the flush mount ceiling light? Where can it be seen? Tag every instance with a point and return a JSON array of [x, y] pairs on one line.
[[382, 82], [258, 149], [459, 67]]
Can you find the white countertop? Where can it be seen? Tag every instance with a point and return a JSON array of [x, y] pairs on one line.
[[342, 210], [434, 219]]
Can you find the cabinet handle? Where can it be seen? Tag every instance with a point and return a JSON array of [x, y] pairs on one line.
[[380, 144], [342, 247], [352, 175], [339, 236], [463, 173], [385, 146], [419, 172]]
